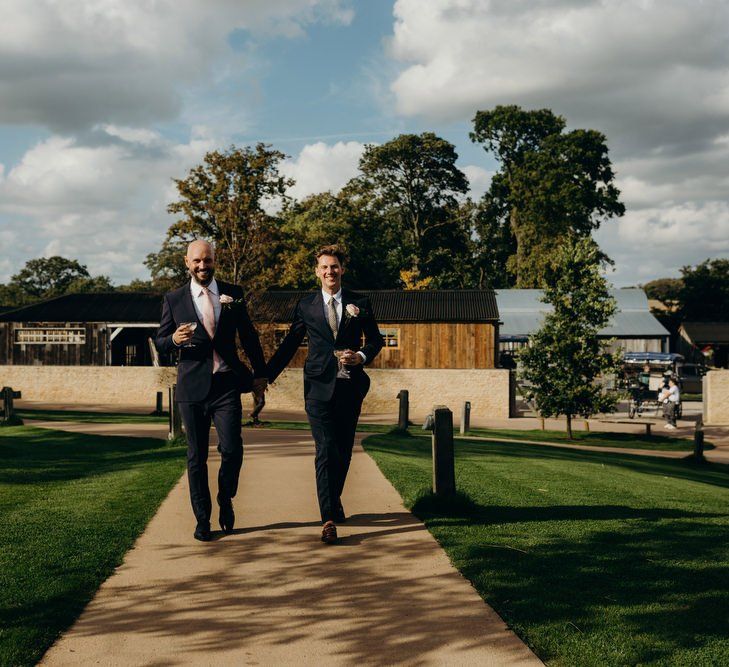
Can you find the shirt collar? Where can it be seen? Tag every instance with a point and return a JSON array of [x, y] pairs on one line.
[[337, 297], [196, 288]]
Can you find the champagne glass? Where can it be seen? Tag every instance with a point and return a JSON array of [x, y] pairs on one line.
[[191, 326], [342, 371]]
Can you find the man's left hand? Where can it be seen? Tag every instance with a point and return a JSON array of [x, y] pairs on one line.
[[350, 358]]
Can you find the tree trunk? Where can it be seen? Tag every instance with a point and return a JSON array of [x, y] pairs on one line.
[[569, 427]]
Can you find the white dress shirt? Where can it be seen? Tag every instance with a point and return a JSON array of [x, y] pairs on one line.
[[197, 296], [338, 307]]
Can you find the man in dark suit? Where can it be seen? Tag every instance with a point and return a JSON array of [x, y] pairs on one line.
[[200, 320], [333, 319]]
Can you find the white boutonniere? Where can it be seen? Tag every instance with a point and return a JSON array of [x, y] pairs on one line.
[[352, 310], [228, 301]]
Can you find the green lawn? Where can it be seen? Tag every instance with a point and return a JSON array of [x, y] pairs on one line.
[[71, 505], [595, 439], [92, 417], [593, 558]]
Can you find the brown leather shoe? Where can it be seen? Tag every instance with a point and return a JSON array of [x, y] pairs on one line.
[[329, 533]]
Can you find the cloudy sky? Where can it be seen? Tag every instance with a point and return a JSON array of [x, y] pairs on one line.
[[103, 102]]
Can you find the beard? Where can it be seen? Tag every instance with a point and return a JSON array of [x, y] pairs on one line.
[[202, 281]]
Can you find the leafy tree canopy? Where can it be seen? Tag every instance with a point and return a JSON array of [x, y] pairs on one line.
[[551, 184], [565, 359]]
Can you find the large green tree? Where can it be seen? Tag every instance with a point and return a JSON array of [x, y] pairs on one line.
[[225, 201], [704, 293], [48, 276], [565, 359], [551, 183], [326, 218], [412, 184]]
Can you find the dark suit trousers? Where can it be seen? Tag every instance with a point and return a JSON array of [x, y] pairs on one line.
[[333, 425], [222, 407]]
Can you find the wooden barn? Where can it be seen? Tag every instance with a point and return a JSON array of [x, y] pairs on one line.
[[422, 329], [111, 329]]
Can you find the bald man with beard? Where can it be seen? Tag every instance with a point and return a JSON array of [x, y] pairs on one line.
[[210, 377]]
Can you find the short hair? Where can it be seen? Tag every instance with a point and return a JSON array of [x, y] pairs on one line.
[[334, 250]]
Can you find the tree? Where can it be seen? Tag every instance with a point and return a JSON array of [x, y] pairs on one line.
[[224, 201], [565, 359], [551, 183], [704, 295], [46, 277], [413, 185], [665, 290], [326, 218], [88, 285], [167, 267]]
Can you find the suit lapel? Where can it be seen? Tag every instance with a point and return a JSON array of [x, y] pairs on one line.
[[344, 321], [223, 311], [317, 315]]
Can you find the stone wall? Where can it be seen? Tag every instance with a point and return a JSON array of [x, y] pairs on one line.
[[487, 389], [716, 398]]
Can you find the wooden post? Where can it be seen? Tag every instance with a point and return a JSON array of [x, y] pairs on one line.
[[541, 423], [699, 439], [9, 416], [7, 404], [175, 420], [466, 417], [404, 416], [648, 429], [587, 425], [444, 471], [158, 405]]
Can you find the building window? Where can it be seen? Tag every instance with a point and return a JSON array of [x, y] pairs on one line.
[[392, 337], [55, 336], [279, 333]]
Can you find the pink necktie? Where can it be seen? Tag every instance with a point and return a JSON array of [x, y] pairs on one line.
[[208, 313]]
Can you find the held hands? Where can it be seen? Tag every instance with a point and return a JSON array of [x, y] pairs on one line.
[[350, 358]]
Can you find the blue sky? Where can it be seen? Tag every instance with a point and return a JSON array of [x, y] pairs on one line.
[[103, 103]]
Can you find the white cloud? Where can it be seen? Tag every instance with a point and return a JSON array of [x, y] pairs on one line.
[[652, 75], [321, 167], [75, 64], [479, 180], [103, 203]]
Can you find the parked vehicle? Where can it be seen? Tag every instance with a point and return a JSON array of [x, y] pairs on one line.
[[644, 376]]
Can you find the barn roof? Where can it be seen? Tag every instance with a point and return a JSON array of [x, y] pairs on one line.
[[97, 307], [395, 306], [522, 313], [390, 306]]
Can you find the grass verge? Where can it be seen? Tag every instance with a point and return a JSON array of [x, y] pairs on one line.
[[71, 505], [595, 439], [593, 558], [92, 417]]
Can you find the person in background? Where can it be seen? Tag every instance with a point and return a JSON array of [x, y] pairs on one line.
[[670, 396]]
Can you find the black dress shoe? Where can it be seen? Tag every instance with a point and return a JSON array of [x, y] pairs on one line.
[[202, 532], [227, 516], [339, 515]]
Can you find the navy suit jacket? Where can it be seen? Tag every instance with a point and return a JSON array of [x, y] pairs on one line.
[[320, 369], [195, 367]]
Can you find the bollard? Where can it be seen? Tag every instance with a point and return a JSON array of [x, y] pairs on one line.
[[175, 420], [466, 417], [158, 405], [403, 418], [9, 417], [444, 472], [699, 439]]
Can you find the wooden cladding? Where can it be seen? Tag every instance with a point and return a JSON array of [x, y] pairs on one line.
[[429, 345]]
